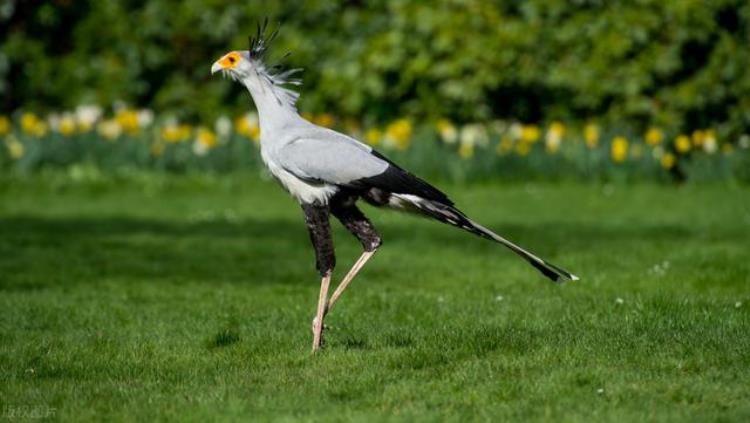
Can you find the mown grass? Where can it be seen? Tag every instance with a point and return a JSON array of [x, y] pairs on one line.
[[190, 298]]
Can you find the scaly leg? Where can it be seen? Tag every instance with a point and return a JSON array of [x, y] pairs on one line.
[[355, 222], [348, 278], [318, 322]]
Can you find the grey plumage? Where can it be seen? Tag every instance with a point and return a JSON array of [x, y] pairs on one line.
[[317, 164], [329, 158]]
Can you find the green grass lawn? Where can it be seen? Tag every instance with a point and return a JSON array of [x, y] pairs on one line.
[[190, 298]]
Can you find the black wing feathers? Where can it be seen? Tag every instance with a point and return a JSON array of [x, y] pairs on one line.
[[399, 181]]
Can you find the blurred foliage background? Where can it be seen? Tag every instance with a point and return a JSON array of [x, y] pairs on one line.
[[659, 70], [680, 64]]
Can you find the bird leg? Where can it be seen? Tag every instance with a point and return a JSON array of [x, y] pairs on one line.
[[355, 222], [316, 219], [318, 321], [348, 278]]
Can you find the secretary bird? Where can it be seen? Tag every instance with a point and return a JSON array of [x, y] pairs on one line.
[[327, 172]]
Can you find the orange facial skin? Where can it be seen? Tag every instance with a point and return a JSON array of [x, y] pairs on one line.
[[230, 60]]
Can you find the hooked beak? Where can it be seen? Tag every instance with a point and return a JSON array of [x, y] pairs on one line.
[[228, 62]]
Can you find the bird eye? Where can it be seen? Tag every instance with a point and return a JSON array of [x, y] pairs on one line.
[[232, 59]]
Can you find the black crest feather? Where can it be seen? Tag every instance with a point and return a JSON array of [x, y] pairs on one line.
[[275, 75], [261, 42]]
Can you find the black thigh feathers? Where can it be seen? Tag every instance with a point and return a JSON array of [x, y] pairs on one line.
[[342, 206], [316, 219]]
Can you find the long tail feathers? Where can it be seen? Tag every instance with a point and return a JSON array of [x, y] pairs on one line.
[[455, 217]]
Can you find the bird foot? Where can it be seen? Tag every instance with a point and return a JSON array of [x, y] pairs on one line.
[[315, 327], [314, 323]]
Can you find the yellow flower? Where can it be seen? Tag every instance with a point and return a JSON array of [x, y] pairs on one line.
[[32, 125], [591, 135], [206, 137], [325, 119], [557, 128], [523, 148], [373, 136], [619, 150], [466, 150], [174, 133], [205, 140], [247, 126], [447, 131], [698, 137], [682, 144], [654, 136], [530, 133], [109, 129], [4, 125], [15, 148], [398, 133], [504, 146], [67, 125], [128, 121], [28, 122], [554, 137], [668, 160], [84, 127]]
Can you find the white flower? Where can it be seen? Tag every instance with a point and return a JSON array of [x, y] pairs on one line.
[[619, 300], [709, 145], [223, 126], [109, 129], [744, 141], [145, 117], [53, 119], [552, 141], [600, 391], [199, 148], [738, 304], [499, 298], [449, 134], [473, 134], [88, 114], [515, 130]]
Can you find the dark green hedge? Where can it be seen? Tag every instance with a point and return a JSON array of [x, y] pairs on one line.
[[680, 64]]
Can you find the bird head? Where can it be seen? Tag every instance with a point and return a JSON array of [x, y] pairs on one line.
[[243, 63], [249, 67], [236, 64]]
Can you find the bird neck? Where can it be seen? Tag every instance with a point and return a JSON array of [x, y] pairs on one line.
[[275, 104]]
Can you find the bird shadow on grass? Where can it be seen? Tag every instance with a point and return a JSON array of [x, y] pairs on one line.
[[35, 251]]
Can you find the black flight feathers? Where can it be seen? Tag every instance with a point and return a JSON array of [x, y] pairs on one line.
[[399, 181]]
